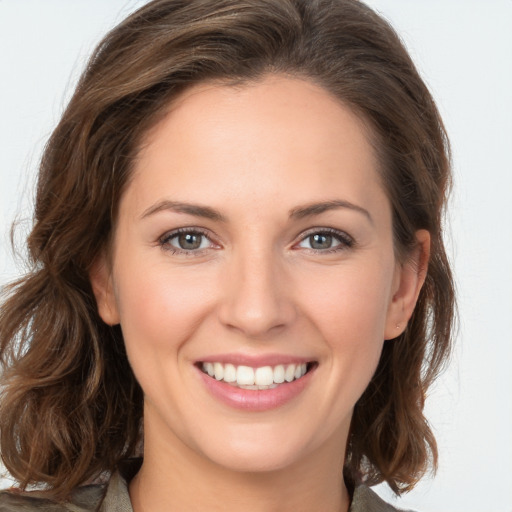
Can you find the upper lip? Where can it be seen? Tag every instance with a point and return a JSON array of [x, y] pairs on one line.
[[255, 361]]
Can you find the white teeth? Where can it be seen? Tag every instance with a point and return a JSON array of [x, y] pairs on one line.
[[272, 386], [264, 377], [279, 374], [208, 367], [218, 368], [289, 374], [245, 376], [229, 373]]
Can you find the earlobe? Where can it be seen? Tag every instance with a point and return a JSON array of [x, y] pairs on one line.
[[101, 281], [410, 277]]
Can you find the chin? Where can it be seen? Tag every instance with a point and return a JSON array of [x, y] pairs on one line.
[[256, 453], [256, 460]]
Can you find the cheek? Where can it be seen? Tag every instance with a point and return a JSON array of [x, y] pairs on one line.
[[349, 311], [159, 307], [350, 303]]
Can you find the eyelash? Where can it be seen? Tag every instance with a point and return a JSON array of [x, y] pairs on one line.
[[164, 241], [345, 241]]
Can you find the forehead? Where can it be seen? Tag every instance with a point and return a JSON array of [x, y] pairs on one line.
[[261, 138], [275, 104]]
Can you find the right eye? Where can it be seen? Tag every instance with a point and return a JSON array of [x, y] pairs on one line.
[[185, 241]]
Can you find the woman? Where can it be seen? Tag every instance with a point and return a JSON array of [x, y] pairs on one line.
[[238, 268]]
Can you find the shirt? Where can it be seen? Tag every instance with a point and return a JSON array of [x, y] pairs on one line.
[[114, 497]]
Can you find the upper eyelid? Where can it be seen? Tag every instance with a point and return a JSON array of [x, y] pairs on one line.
[[323, 229], [192, 229], [331, 231]]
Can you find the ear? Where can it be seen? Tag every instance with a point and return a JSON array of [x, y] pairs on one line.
[[409, 278], [100, 276]]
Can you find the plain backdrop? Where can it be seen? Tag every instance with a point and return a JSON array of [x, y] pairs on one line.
[[463, 48]]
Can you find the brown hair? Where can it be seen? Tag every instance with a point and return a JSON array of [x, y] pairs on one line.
[[71, 407]]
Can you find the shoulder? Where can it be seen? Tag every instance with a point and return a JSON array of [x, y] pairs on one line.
[[366, 500], [109, 497], [84, 499]]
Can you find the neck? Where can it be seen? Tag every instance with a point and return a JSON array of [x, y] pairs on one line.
[[174, 478]]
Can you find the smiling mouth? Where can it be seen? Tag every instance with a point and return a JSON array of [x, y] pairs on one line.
[[261, 378]]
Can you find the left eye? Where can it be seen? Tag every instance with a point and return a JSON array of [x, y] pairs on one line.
[[322, 241], [187, 241]]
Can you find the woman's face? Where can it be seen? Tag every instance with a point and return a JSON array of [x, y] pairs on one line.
[[254, 243]]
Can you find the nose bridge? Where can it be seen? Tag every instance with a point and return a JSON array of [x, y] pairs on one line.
[[256, 301]]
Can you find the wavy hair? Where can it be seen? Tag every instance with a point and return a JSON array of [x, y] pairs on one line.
[[70, 405]]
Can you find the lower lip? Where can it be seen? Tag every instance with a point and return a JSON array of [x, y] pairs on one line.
[[255, 399]]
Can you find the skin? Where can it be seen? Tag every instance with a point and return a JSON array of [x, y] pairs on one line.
[[256, 286]]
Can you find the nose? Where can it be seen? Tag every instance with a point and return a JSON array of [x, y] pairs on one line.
[[258, 297]]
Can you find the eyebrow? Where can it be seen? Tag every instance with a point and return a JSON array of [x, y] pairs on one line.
[[188, 208], [300, 212], [317, 208]]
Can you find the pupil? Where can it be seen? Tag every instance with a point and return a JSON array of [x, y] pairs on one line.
[[320, 241], [189, 241]]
